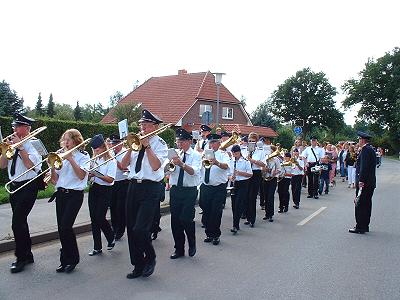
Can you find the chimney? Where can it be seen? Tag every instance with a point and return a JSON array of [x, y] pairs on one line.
[[182, 72]]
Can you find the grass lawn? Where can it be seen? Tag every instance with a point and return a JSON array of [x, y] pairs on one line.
[[4, 196]]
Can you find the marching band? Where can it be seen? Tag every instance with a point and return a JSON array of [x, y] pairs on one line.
[[127, 175]]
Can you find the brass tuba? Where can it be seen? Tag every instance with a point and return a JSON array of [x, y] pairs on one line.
[[265, 175]]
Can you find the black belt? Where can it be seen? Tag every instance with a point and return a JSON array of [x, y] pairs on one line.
[[19, 183], [64, 191], [140, 181]]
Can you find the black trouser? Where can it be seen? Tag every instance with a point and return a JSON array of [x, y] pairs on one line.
[[269, 192], [213, 200], [182, 202], [283, 192], [296, 188], [68, 204], [250, 201], [313, 181], [262, 192], [118, 206], [363, 208], [99, 199], [155, 228], [239, 199], [142, 201], [21, 205]]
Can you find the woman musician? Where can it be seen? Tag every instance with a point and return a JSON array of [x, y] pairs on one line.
[[241, 172], [100, 193], [70, 181], [272, 171]]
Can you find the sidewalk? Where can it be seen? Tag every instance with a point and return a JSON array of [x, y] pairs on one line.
[[43, 224]]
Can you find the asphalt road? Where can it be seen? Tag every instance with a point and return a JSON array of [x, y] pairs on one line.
[[279, 260]]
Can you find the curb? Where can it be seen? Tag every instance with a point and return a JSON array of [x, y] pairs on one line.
[[46, 236]]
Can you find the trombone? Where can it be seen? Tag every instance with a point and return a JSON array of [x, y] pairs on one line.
[[8, 150], [54, 159], [133, 141]]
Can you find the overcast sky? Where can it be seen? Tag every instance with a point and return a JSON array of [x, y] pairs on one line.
[[87, 50]]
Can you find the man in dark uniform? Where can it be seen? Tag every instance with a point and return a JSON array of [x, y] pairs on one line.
[[143, 195], [365, 183], [25, 157], [183, 194]]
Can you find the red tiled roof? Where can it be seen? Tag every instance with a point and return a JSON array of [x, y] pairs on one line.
[[246, 129], [170, 97]]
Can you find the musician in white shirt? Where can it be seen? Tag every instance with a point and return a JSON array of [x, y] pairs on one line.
[[272, 170], [297, 177], [100, 193], [312, 156], [240, 169]]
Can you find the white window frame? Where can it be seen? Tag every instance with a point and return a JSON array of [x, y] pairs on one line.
[[225, 113], [204, 108]]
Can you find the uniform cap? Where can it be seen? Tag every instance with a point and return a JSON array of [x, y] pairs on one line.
[[97, 141], [213, 137], [182, 134], [22, 120], [205, 128], [364, 135], [147, 116], [235, 148]]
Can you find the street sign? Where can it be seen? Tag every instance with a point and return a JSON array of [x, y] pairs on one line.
[[298, 130], [206, 118]]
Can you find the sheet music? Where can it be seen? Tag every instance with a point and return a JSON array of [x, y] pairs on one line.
[[209, 154], [39, 146], [123, 129], [196, 134]]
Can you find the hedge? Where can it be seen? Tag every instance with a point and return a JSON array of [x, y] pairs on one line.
[[50, 137]]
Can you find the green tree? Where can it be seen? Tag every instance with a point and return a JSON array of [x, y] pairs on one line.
[[307, 96], [77, 112], [285, 137], [39, 106], [64, 112], [378, 91], [130, 111], [114, 99], [10, 103], [50, 107], [262, 117], [93, 113]]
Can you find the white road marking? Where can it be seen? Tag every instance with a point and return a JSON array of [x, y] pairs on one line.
[[311, 216]]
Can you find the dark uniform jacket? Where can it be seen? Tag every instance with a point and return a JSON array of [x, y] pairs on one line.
[[366, 166]]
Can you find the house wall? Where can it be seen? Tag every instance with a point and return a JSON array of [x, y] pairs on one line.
[[192, 115]]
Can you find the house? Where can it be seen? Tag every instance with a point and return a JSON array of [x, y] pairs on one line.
[[183, 99]]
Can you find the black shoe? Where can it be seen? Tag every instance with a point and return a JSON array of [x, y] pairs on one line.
[[316, 197], [234, 230], [200, 213], [252, 225], [203, 226], [30, 260], [215, 241], [17, 266], [296, 206], [154, 236], [111, 245], [95, 252], [60, 269], [176, 255], [69, 268], [246, 223], [149, 268], [208, 239], [135, 274], [326, 192], [265, 218], [320, 193], [192, 250], [280, 211], [309, 196], [270, 219], [285, 209], [262, 207], [356, 230]]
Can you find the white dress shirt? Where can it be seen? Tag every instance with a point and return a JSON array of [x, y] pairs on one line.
[[120, 174], [35, 158], [267, 149], [258, 154], [217, 175], [308, 154], [160, 149], [67, 178], [296, 170], [242, 165], [193, 159], [200, 143], [108, 169]]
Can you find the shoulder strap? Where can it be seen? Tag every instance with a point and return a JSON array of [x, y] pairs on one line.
[[316, 159]]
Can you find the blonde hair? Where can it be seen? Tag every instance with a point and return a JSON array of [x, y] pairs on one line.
[[75, 135], [253, 135]]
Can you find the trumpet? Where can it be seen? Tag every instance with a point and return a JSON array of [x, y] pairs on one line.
[[171, 167], [54, 159], [8, 151]]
